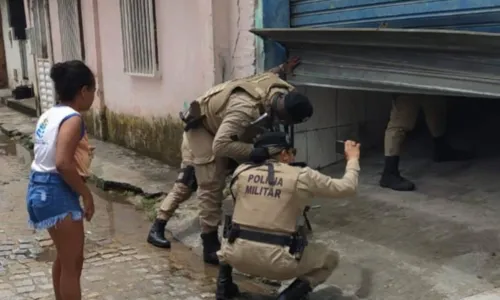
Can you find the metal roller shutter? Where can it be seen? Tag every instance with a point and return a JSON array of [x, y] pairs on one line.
[[367, 45]]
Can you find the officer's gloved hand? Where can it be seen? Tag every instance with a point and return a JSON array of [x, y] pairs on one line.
[[259, 155], [298, 164]]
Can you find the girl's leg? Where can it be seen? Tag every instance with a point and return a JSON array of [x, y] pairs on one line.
[[56, 278], [68, 237]]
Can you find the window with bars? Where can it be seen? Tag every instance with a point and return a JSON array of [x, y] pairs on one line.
[[70, 19], [140, 45]]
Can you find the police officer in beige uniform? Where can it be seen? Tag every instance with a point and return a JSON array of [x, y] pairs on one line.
[[265, 237], [215, 125], [403, 117]]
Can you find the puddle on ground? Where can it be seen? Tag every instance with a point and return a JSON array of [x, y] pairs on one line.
[[7, 145], [11, 147]]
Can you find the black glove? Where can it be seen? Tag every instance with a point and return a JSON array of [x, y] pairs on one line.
[[259, 155], [298, 164]]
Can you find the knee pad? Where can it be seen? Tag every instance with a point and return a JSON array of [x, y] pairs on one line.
[[188, 178]]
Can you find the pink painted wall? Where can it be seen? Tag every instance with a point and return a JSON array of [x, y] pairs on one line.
[[201, 43]]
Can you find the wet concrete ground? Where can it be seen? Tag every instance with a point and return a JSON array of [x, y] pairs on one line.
[[119, 264]]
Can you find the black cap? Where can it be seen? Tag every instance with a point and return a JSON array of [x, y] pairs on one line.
[[272, 139], [298, 107]]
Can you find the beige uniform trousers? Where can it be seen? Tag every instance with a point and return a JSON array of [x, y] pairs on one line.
[[210, 174], [276, 263], [180, 192], [404, 115]]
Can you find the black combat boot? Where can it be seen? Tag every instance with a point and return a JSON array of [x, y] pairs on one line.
[[156, 235], [443, 152], [298, 290], [226, 288], [391, 177], [211, 245]]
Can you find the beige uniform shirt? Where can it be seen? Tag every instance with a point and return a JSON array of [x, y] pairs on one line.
[[240, 112], [313, 183]]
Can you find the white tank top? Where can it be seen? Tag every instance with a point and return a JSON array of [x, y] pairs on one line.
[[45, 137]]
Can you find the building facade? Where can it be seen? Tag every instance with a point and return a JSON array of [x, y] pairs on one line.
[[150, 59]]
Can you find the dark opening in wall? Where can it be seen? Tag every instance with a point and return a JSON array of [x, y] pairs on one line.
[[17, 18]]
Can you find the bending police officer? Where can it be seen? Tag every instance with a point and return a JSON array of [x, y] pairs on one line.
[[215, 132], [264, 238], [183, 188]]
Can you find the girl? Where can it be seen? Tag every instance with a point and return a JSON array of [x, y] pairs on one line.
[[58, 172]]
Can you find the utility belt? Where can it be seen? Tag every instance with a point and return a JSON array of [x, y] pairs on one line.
[[297, 242]]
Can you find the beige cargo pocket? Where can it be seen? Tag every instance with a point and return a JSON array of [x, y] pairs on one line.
[[200, 143]]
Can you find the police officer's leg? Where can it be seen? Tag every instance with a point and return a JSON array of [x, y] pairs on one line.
[[403, 117], [181, 191], [226, 288], [210, 185], [184, 186], [315, 266], [435, 112], [211, 181]]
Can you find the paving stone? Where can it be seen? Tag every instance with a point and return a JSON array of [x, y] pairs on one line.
[[6, 294], [46, 243], [129, 252], [5, 247], [5, 286], [26, 246], [121, 259], [25, 289], [141, 257], [39, 295], [110, 255], [91, 255], [24, 282], [46, 287], [18, 277]]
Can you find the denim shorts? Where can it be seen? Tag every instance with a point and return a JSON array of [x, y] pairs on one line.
[[50, 199]]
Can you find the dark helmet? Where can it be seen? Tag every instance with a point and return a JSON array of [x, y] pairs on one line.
[[270, 139], [292, 108]]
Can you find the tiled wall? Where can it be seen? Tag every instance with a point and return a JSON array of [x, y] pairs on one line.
[[340, 115]]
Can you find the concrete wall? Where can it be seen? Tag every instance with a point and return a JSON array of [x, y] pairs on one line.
[[340, 115]]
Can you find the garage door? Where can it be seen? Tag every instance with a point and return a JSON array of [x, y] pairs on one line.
[[452, 47]]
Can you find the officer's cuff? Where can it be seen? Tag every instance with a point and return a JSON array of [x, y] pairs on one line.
[[353, 164]]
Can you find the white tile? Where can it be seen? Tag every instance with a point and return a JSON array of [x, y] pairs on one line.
[[301, 146], [321, 147]]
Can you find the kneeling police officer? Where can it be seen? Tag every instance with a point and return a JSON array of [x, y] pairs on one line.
[[266, 235]]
